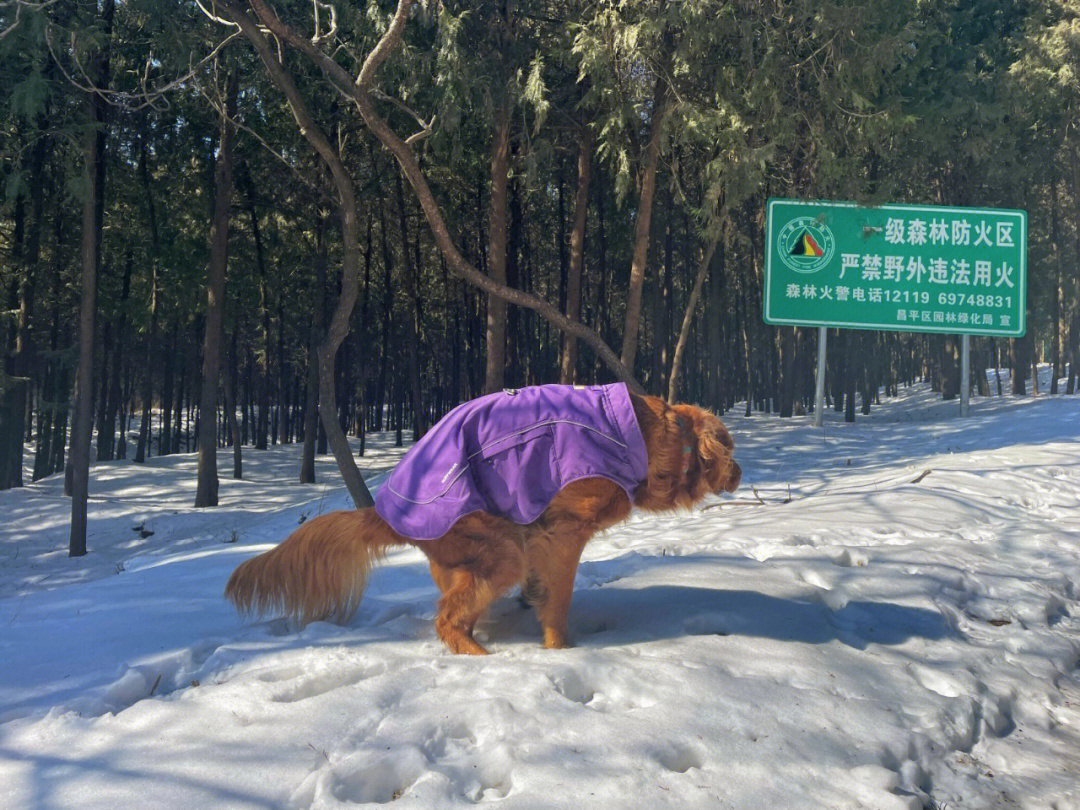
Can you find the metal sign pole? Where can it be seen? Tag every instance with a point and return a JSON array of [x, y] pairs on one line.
[[819, 395], [965, 374]]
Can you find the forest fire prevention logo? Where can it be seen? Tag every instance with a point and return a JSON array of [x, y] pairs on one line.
[[806, 244]]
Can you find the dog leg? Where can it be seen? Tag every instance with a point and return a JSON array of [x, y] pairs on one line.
[[458, 613], [553, 562], [443, 576], [469, 594]]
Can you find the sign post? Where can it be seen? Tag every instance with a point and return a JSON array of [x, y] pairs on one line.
[[819, 392], [906, 268], [965, 374]]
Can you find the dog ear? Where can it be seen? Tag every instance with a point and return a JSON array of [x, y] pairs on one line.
[[714, 447]]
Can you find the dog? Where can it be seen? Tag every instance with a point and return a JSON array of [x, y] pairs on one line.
[[671, 457]]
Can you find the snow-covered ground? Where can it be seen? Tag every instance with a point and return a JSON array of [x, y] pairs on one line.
[[885, 616]]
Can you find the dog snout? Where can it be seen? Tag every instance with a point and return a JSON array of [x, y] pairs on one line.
[[734, 477]]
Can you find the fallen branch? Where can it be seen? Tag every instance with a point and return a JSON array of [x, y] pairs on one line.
[[759, 501]]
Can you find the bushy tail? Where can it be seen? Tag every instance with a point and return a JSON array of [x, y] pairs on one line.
[[318, 572]]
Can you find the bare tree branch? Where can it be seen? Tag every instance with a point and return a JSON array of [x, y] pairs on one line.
[[19, 6], [339, 322], [123, 98], [219, 108], [361, 93], [331, 32], [425, 126], [213, 17]]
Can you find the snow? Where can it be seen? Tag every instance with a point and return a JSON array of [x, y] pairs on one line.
[[884, 616]]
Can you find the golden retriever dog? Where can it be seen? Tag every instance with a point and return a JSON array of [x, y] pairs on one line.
[[320, 570]]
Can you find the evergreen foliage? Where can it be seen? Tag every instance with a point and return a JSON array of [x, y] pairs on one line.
[[951, 102]]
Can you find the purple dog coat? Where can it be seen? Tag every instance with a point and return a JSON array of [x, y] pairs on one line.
[[509, 453]]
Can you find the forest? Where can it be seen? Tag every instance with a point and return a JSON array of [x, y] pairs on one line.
[[228, 224]]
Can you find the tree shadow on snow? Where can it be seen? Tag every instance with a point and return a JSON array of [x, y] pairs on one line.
[[612, 616]]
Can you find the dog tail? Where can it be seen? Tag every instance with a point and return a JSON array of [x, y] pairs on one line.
[[318, 572]]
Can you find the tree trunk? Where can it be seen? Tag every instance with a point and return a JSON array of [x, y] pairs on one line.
[[12, 416], [1056, 293], [107, 440], [411, 266], [662, 319], [361, 421], [339, 322], [55, 388], [261, 422], [13, 388], [318, 318], [178, 414], [643, 226], [1073, 352], [715, 339], [55, 384], [165, 437], [789, 339], [230, 405], [23, 362], [602, 305], [147, 392], [568, 371], [518, 343], [101, 373], [688, 317], [950, 366], [494, 376], [381, 392], [206, 493], [283, 378], [1019, 365], [93, 215]]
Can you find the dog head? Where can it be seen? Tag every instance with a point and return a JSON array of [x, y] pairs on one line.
[[690, 455]]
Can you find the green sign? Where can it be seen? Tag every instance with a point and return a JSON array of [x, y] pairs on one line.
[[909, 268]]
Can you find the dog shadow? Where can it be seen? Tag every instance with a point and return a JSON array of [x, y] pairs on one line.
[[616, 616]]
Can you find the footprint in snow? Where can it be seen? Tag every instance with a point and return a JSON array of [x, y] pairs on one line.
[[851, 558], [449, 765], [826, 592], [278, 674], [601, 696], [319, 683], [679, 758], [163, 676], [365, 777], [941, 683], [1056, 610]]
